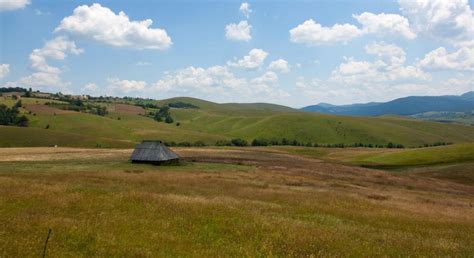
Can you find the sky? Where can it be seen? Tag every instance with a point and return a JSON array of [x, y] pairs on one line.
[[294, 53]]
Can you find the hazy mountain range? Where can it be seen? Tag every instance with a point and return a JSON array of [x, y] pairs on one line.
[[402, 106]]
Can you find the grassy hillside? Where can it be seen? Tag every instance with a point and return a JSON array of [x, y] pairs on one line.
[[466, 118], [212, 122]]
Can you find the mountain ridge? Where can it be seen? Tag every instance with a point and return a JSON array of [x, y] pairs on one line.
[[405, 106]]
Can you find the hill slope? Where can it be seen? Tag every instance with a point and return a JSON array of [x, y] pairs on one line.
[[211, 122]]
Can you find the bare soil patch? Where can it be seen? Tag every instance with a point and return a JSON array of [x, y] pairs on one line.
[[129, 109]]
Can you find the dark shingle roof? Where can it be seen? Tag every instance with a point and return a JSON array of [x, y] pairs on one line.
[[153, 151]]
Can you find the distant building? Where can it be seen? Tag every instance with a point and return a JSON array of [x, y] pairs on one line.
[[154, 152]]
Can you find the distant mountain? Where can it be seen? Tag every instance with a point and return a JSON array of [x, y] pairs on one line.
[[402, 106], [468, 96], [334, 109]]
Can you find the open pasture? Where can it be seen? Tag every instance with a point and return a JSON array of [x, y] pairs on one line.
[[224, 202]]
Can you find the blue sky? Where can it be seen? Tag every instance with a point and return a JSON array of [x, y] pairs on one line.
[[294, 53]]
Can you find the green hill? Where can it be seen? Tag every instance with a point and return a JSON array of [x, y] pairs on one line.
[[211, 122]]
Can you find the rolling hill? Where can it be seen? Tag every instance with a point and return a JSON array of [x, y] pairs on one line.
[[402, 106], [211, 122]]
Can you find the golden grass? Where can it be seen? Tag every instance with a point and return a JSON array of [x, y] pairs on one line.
[[224, 202]]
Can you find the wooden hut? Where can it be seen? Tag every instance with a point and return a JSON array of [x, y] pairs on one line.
[[154, 152]]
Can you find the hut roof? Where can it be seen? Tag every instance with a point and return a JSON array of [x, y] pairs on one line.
[[153, 151]]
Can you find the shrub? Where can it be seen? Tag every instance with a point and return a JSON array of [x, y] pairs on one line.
[[199, 144], [223, 143], [184, 144], [170, 144], [260, 142], [169, 120], [239, 142]]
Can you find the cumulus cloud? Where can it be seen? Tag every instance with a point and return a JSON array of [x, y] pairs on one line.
[[56, 48], [4, 70], [125, 87], [238, 32], [218, 83], [245, 9], [253, 60], [440, 59], [390, 54], [451, 20], [46, 75], [39, 79], [385, 24], [89, 87], [267, 77], [312, 33], [10, 5], [280, 65], [101, 24], [197, 78], [388, 69]]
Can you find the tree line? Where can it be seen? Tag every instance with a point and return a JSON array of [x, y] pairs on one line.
[[238, 142]]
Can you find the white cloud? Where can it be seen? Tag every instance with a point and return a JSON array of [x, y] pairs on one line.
[[279, 65], [385, 24], [10, 5], [56, 48], [267, 77], [389, 69], [46, 75], [388, 53], [253, 60], [245, 9], [90, 87], [266, 84], [446, 20], [205, 80], [218, 83], [439, 59], [239, 32], [103, 25], [4, 70], [40, 79], [312, 33], [125, 87]]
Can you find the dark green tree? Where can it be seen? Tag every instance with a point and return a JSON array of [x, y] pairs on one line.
[[169, 120]]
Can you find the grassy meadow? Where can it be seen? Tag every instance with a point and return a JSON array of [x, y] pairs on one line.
[[224, 202]]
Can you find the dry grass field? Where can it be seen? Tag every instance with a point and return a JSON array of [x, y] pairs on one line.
[[225, 202]]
